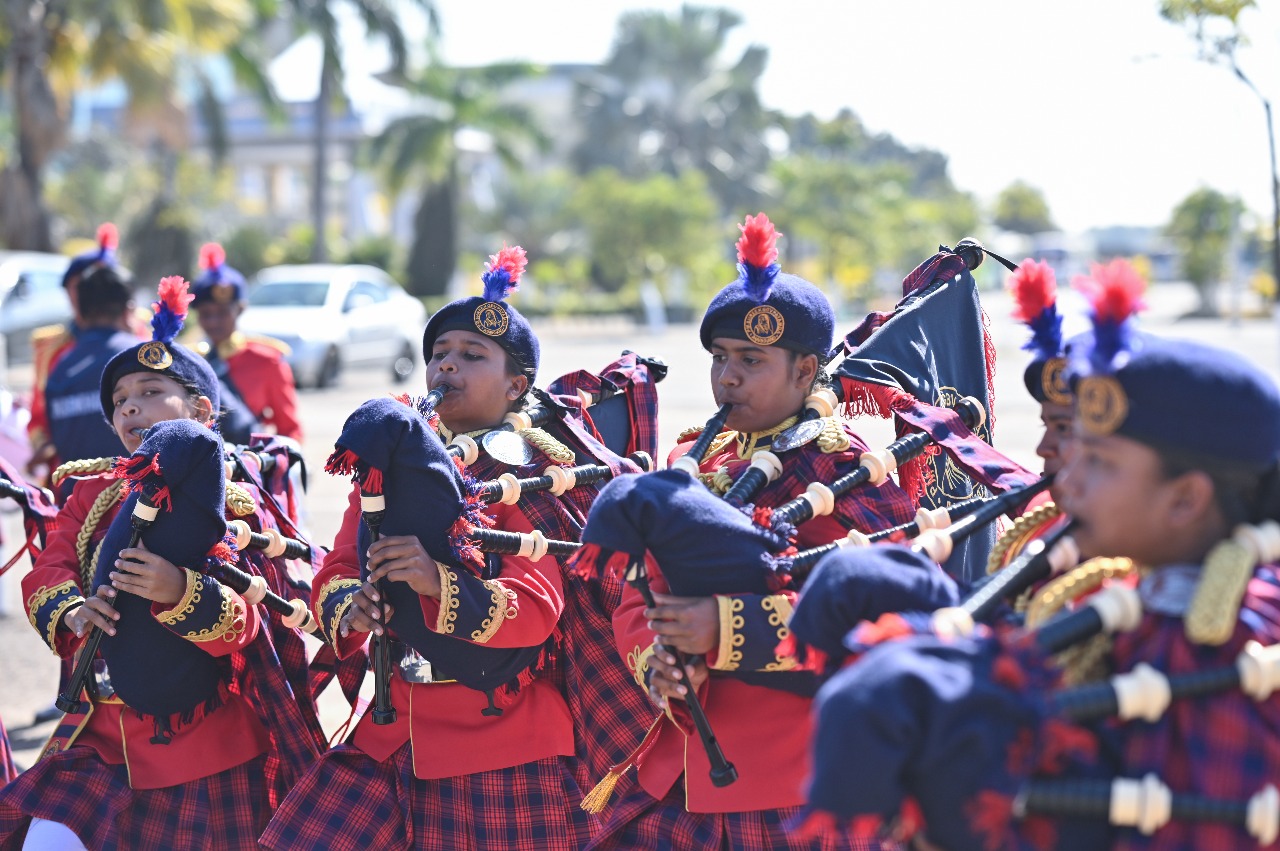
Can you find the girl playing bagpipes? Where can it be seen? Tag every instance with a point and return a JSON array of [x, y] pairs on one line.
[[1176, 472], [183, 729], [493, 658], [768, 334]]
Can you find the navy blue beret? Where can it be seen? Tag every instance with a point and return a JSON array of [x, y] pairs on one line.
[[218, 282], [490, 315], [103, 255], [768, 307]]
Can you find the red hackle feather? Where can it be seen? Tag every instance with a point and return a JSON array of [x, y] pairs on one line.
[[1114, 290], [512, 259], [108, 236], [758, 245], [225, 551], [1033, 288], [212, 255], [173, 294]]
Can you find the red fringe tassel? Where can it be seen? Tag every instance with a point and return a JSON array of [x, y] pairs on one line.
[[341, 463]]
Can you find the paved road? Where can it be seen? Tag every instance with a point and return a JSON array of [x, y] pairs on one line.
[[28, 672]]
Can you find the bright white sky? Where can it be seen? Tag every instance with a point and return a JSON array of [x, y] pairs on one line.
[[1099, 103]]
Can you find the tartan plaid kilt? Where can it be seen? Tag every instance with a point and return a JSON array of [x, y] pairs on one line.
[[7, 769], [349, 802], [639, 822], [76, 788], [611, 713]]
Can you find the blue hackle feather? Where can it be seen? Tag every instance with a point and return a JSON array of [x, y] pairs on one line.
[[497, 284], [165, 324], [1046, 334], [758, 280]]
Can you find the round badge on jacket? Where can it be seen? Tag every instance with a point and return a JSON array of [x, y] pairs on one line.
[[763, 325], [491, 318]]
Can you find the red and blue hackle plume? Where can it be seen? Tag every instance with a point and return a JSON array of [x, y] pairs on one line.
[[108, 239], [171, 309], [212, 257], [1115, 294], [758, 256], [1035, 296], [502, 272]]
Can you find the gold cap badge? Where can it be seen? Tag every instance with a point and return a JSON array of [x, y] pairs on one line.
[[491, 318], [1054, 383], [1101, 404], [763, 325], [155, 355]]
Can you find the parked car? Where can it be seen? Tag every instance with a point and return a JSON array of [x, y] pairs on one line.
[[334, 316], [30, 296]]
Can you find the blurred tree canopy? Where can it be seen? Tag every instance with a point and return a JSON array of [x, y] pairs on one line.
[[1203, 227], [1022, 208]]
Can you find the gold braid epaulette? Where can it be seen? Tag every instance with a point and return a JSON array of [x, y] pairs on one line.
[[83, 467], [548, 445], [689, 433], [1018, 535], [1215, 607], [239, 501], [1084, 662], [104, 502], [832, 438]]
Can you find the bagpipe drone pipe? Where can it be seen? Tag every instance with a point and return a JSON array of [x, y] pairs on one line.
[[410, 484]]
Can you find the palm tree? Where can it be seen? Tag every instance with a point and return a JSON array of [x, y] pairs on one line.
[[666, 101], [424, 146], [320, 17], [54, 47]]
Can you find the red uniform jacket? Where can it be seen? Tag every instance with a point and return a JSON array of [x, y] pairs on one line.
[[215, 741], [442, 721], [765, 732], [264, 381], [48, 345]]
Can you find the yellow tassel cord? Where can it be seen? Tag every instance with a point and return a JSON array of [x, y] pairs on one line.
[[83, 467], [239, 502], [597, 799], [1215, 607], [100, 507], [832, 438]]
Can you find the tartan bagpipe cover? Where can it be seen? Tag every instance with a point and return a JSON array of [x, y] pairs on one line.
[[934, 348]]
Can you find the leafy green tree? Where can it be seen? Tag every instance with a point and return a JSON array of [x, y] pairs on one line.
[[423, 147], [1203, 227], [1022, 208], [1215, 26], [665, 100], [53, 47], [639, 230]]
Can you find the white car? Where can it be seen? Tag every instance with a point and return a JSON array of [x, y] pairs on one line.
[[31, 296], [333, 316]]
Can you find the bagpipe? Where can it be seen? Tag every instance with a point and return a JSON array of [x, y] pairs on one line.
[[1002, 695], [39, 512], [176, 494]]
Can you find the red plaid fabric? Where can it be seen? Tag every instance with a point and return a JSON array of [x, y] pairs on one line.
[[632, 377], [638, 822], [1224, 746], [227, 810], [349, 802], [7, 769]]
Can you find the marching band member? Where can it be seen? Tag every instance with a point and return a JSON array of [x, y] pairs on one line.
[[767, 333], [1173, 489], [188, 732], [252, 368], [471, 760]]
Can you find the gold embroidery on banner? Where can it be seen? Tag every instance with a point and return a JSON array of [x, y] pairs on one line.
[[449, 602], [187, 604], [42, 596], [1101, 404]]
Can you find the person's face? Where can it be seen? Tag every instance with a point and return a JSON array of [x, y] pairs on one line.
[[475, 369], [1059, 431], [763, 383], [142, 399], [1123, 504], [218, 321]]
